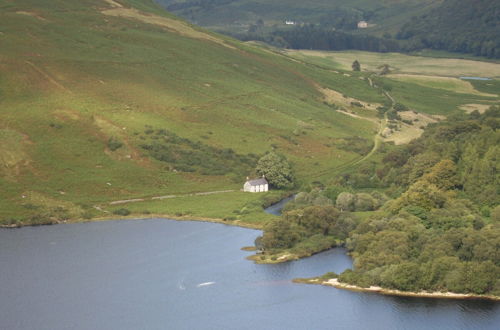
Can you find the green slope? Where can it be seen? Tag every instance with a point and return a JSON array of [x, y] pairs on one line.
[[87, 86]]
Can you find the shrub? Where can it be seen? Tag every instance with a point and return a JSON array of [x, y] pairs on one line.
[[121, 211], [114, 144]]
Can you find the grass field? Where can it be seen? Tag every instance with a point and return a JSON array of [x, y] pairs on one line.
[[424, 84], [446, 83], [401, 63], [85, 85], [236, 208]]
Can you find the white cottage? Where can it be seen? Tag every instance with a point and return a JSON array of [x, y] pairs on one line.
[[362, 24], [256, 185]]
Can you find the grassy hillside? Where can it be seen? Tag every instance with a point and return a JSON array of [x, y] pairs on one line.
[[103, 102], [87, 86]]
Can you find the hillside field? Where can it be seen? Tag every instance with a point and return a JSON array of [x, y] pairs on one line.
[[105, 100]]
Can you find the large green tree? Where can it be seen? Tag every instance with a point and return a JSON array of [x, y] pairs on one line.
[[356, 66], [276, 169]]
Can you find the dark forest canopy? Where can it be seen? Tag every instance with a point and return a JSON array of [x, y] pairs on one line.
[[457, 26], [439, 231]]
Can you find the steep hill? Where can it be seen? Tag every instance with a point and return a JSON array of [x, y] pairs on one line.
[[104, 100]]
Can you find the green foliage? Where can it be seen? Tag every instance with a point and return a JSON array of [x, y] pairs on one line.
[[345, 201], [435, 235], [385, 69], [460, 154], [356, 66], [122, 211], [315, 197], [188, 156], [310, 229], [361, 202], [400, 107], [457, 26], [114, 144], [276, 169], [355, 144]]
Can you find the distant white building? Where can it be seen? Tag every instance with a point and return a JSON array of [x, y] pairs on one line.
[[289, 22], [362, 24], [256, 185]]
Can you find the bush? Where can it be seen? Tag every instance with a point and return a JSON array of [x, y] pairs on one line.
[[400, 107], [121, 211], [114, 144]]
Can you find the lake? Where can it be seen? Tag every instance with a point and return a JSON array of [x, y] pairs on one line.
[[475, 78], [163, 274]]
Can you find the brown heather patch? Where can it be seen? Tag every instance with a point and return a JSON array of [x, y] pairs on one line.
[[13, 154], [32, 14], [333, 97], [406, 132], [473, 107], [127, 151]]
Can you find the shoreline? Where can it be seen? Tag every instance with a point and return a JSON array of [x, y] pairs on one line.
[[284, 258], [392, 292], [236, 223]]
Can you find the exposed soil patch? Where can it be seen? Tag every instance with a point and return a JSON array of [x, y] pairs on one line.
[[126, 150], [32, 14], [481, 108], [404, 132], [47, 76], [334, 97]]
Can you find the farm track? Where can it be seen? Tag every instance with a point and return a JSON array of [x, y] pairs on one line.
[[135, 200], [377, 140]]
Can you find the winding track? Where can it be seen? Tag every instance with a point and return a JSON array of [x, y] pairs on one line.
[[377, 140]]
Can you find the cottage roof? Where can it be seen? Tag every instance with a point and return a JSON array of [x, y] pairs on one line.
[[257, 182]]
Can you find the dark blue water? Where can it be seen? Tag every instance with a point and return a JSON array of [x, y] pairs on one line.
[[134, 274], [276, 208], [474, 78]]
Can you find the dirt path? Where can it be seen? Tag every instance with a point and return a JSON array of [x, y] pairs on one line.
[[373, 120], [46, 76], [135, 200], [377, 139]]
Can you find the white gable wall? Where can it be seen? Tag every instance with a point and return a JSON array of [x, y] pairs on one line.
[[259, 188]]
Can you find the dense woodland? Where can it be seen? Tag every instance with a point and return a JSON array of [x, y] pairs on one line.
[[436, 219], [457, 26], [315, 37]]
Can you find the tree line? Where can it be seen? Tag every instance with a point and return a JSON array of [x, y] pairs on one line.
[[437, 220]]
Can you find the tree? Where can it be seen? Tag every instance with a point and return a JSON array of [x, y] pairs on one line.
[[385, 69], [276, 169], [443, 175], [363, 202], [345, 201], [356, 66]]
